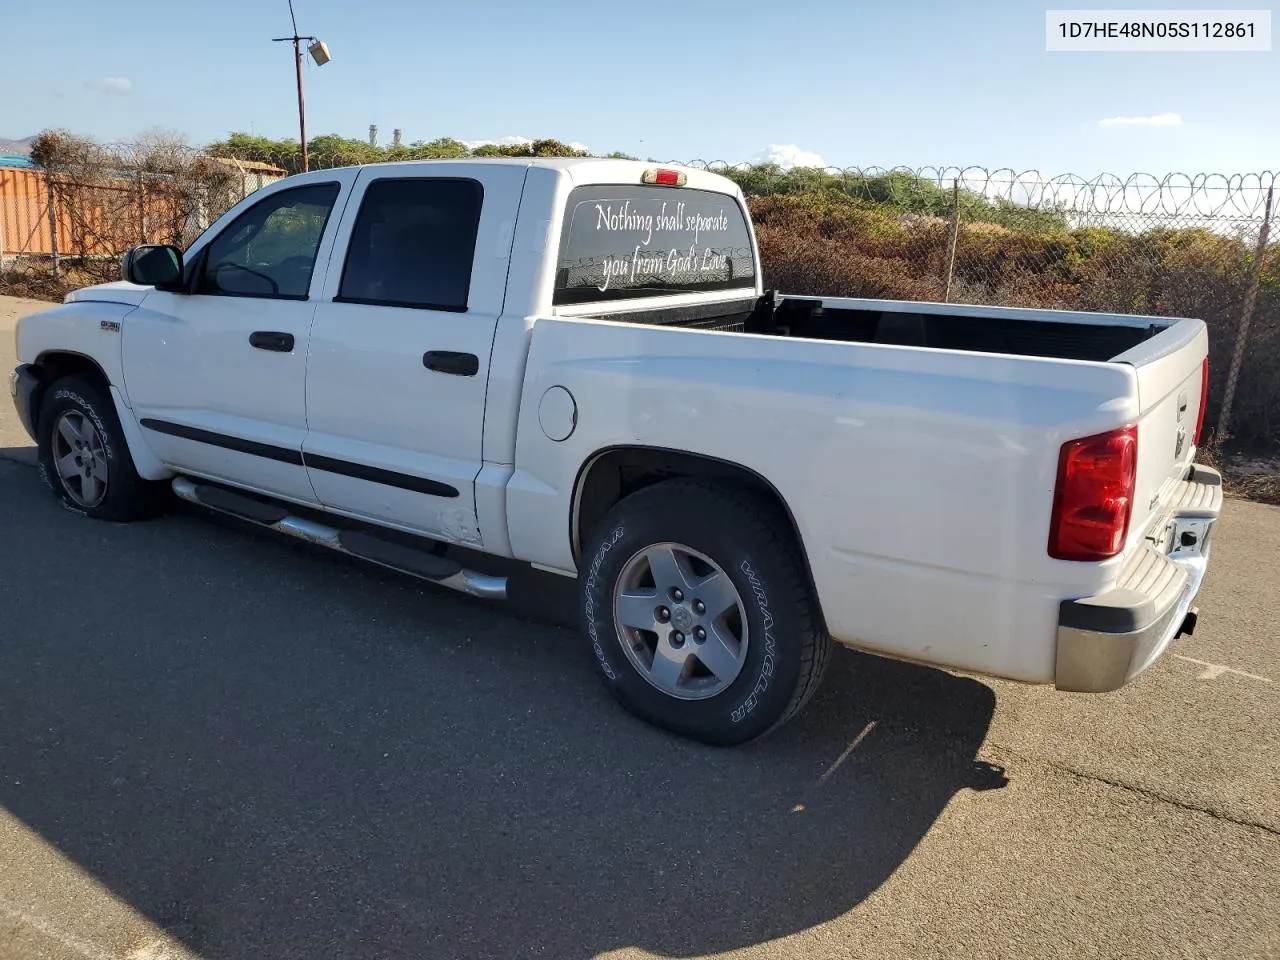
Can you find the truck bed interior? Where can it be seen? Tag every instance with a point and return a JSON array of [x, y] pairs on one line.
[[809, 319]]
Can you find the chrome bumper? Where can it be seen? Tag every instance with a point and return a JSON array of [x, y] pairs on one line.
[[1107, 640]]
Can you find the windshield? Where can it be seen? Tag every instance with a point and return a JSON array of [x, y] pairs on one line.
[[626, 241]]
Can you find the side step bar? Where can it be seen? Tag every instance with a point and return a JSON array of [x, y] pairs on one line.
[[356, 543]]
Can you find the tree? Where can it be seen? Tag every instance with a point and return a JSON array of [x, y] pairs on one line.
[[149, 189], [244, 146], [441, 147]]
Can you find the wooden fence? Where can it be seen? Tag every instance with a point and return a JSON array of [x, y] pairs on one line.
[[26, 228]]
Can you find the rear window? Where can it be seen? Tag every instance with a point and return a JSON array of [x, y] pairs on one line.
[[623, 242]]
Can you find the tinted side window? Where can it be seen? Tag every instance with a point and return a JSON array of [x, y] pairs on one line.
[[642, 241], [413, 244], [270, 249]]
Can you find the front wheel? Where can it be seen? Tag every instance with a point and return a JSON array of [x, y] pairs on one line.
[[696, 603], [84, 458]]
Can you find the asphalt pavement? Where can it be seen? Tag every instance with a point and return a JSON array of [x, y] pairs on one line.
[[220, 744]]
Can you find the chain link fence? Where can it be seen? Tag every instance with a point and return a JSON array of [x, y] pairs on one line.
[[1178, 245], [67, 219]]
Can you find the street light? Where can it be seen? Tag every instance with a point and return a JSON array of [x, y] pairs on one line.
[[319, 51]]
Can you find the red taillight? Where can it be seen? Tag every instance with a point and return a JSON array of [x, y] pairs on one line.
[[1204, 399], [664, 178], [1093, 499]]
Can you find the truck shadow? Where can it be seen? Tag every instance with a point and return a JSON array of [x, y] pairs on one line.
[[275, 753]]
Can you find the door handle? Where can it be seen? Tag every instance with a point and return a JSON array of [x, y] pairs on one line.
[[447, 361], [271, 340]]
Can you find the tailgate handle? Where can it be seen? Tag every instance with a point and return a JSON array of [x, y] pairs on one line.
[[447, 361]]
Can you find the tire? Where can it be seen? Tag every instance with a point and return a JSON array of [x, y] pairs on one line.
[[715, 532], [78, 420]]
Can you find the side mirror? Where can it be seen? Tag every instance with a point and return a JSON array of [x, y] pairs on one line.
[[153, 265]]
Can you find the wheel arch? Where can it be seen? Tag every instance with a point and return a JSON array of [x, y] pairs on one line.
[[53, 365], [612, 473], [56, 364]]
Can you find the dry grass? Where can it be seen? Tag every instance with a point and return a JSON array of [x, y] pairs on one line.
[[1260, 487], [34, 280], [1240, 482]]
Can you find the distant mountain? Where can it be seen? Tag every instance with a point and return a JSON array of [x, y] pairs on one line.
[[16, 148]]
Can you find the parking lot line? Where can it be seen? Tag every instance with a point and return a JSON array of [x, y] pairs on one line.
[[1212, 671]]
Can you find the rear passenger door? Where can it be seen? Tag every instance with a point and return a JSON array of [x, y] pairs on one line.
[[400, 345]]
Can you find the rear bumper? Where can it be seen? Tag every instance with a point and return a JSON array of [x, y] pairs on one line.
[[1107, 640], [22, 386]]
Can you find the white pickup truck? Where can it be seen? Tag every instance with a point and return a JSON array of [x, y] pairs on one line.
[[574, 364]]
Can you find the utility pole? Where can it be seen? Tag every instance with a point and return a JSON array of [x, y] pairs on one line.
[[302, 109], [319, 53]]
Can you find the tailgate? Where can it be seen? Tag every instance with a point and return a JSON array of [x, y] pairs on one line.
[[1172, 373]]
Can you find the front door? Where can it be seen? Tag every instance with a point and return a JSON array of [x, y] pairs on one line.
[[400, 345], [217, 375]]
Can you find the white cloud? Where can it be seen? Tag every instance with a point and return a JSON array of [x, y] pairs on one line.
[[788, 155], [513, 141], [116, 85], [1159, 120]]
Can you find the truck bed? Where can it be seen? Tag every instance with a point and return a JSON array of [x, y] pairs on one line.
[[1012, 331]]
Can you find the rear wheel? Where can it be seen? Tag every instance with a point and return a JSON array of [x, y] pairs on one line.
[[84, 458], [699, 612]]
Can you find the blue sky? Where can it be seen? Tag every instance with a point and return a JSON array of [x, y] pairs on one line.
[[855, 83]]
